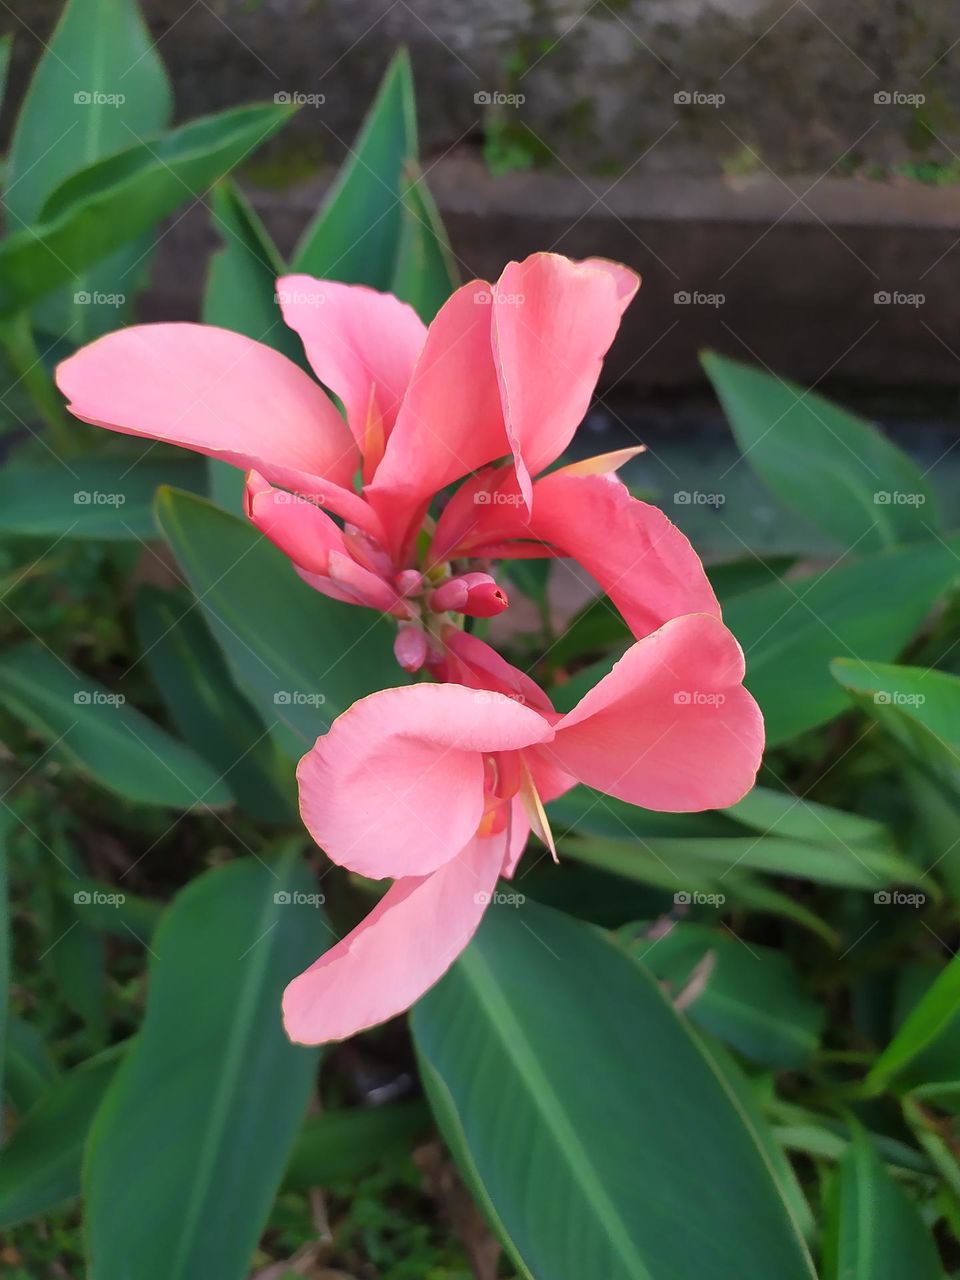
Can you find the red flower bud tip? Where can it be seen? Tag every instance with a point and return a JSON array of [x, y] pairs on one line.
[[409, 581], [410, 648], [475, 594]]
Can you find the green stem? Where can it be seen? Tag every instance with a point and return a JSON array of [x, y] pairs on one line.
[[16, 335]]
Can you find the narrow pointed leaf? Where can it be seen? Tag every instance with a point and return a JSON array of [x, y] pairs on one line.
[[94, 730], [355, 236]]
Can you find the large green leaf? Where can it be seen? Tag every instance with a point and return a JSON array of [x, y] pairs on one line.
[[356, 234], [868, 609], [300, 658], [104, 497], [97, 733], [208, 709], [599, 1138], [425, 273], [112, 201], [835, 469], [191, 1143], [99, 87], [873, 1227], [748, 995], [40, 1166]]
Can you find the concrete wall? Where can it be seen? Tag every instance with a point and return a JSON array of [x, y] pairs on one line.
[[598, 81]]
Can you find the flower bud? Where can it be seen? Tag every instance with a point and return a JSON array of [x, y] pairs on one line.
[[410, 648], [475, 594]]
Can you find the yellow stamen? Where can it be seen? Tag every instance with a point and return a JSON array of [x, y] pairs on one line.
[[533, 806]]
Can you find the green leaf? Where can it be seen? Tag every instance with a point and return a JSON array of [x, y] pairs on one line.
[[799, 838], [356, 234], [104, 498], [683, 856], [596, 628], [102, 53], [835, 469], [749, 1101], [191, 1143], [242, 283], [241, 295], [587, 1117], [749, 996], [919, 707], [102, 737], [874, 1229], [299, 657], [924, 1049], [869, 609], [6, 45], [112, 201], [109, 909], [340, 1146], [77, 959], [28, 1068], [425, 273], [784, 814], [40, 1169], [209, 711]]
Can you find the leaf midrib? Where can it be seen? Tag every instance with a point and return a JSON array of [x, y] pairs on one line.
[[517, 1046]]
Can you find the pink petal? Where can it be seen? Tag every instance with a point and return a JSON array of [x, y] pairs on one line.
[[406, 943], [554, 321], [361, 344], [477, 665], [451, 421], [641, 560], [213, 391], [671, 727], [395, 788], [294, 524]]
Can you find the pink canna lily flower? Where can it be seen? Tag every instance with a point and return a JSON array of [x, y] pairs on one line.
[[505, 371], [436, 786]]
